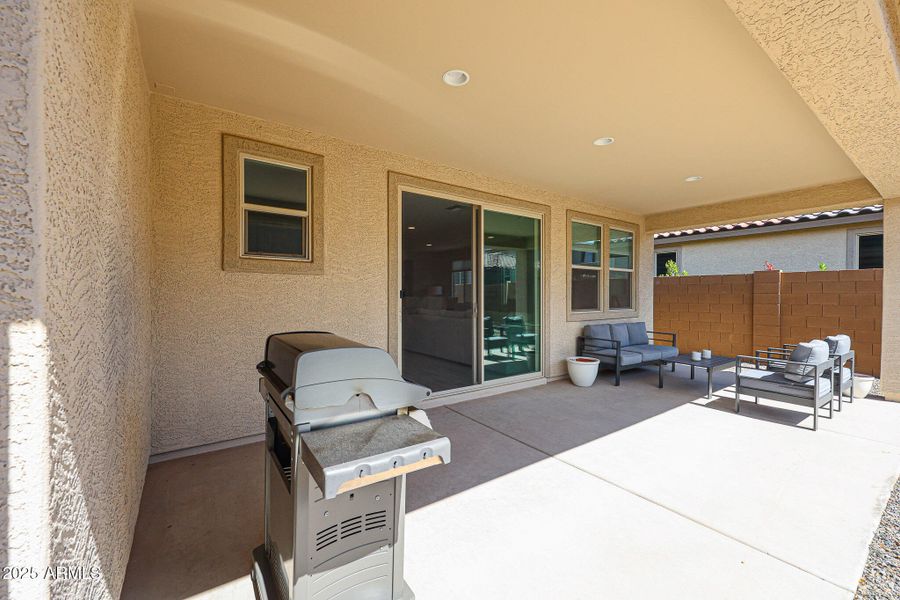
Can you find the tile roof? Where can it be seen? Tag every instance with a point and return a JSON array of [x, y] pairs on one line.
[[818, 216]]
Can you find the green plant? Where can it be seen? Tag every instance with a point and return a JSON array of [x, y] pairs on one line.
[[672, 269], [823, 266]]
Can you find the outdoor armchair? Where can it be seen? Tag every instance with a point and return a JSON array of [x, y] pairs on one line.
[[786, 380], [839, 348]]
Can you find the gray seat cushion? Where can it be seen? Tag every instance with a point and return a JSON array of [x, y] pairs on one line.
[[620, 333], [838, 344], [653, 352], [647, 351], [809, 354], [597, 331], [626, 359], [845, 375], [769, 381], [637, 333]]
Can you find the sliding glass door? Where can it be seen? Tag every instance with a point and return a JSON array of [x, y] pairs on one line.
[[512, 295], [470, 293], [437, 292]]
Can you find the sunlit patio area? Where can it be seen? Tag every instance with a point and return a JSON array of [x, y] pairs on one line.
[[567, 492], [248, 245]]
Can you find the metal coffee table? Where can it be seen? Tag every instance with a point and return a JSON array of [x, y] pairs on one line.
[[713, 364]]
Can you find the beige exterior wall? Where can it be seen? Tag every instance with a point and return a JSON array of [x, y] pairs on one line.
[[210, 325], [77, 340], [24, 458], [890, 335], [797, 250]]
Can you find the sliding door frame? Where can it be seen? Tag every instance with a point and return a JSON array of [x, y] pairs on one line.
[[481, 201]]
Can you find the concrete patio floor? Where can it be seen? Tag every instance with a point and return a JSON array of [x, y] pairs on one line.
[[566, 492]]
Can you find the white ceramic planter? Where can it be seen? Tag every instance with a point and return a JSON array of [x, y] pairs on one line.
[[862, 385], [582, 370]]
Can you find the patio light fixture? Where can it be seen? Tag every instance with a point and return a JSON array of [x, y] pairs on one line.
[[456, 78]]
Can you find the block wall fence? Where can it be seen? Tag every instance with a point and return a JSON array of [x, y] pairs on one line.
[[736, 314]]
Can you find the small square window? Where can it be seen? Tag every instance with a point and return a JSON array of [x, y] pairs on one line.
[[275, 201], [272, 208]]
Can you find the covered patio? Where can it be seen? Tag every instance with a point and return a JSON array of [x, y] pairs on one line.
[[560, 491], [464, 186]]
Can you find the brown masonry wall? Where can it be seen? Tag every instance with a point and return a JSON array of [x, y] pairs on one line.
[[735, 314]]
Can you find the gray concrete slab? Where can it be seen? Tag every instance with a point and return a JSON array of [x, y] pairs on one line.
[[565, 492]]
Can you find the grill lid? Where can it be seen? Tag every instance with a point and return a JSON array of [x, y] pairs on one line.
[[321, 369]]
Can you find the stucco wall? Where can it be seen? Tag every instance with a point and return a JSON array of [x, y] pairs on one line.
[[24, 464], [890, 335], [799, 250], [210, 326], [80, 348]]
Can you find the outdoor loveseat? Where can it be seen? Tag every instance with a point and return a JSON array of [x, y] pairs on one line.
[[626, 345]]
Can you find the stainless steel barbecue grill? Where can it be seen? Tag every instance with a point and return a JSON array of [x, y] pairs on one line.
[[341, 435]]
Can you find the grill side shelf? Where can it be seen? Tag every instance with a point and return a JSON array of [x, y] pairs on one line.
[[348, 457]]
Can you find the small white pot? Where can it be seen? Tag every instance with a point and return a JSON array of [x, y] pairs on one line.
[[695, 355], [862, 385], [582, 370]]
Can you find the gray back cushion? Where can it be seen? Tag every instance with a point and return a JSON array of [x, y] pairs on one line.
[[637, 333], [620, 333], [838, 344], [597, 331], [808, 353]]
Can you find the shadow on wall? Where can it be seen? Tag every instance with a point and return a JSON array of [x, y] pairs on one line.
[[96, 250]]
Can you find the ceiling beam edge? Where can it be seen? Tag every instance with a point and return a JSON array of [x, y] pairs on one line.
[[846, 194]]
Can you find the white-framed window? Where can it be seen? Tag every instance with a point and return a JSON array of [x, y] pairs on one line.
[[602, 267], [272, 208], [275, 203], [663, 255], [621, 269], [865, 248], [586, 290]]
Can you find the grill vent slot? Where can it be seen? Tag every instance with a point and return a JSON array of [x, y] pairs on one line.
[[351, 526], [376, 520], [326, 537]]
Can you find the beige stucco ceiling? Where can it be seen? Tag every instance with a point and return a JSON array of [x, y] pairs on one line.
[[682, 87]]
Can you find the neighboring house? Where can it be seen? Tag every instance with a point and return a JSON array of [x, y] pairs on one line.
[[852, 238]]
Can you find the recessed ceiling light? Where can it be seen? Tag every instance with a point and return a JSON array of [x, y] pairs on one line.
[[604, 141], [411, 227], [693, 178], [428, 244], [456, 77]]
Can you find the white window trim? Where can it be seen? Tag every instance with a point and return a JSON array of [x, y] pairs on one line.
[[245, 206], [599, 267], [605, 224], [853, 236], [667, 250]]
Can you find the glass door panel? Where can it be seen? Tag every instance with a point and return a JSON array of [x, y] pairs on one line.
[[511, 322], [437, 292]]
